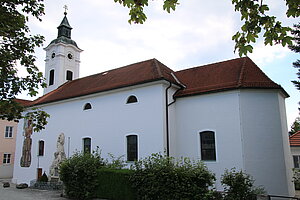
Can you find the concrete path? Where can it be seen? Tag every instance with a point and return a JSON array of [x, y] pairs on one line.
[[12, 193]]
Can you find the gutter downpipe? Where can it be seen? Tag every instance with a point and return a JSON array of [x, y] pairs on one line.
[[182, 86], [167, 118]]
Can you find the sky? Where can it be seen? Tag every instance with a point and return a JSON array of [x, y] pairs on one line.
[[199, 32]]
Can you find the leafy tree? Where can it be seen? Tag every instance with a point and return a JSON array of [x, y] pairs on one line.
[[17, 49], [296, 48], [253, 14], [295, 126]]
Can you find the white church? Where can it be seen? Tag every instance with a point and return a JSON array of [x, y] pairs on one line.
[[227, 114]]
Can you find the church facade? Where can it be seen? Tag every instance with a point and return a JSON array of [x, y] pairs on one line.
[[227, 114]]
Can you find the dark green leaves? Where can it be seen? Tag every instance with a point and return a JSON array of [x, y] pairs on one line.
[[136, 8], [256, 21], [16, 51]]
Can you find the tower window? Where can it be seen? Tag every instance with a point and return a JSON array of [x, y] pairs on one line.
[[132, 148], [53, 55], [70, 56], [51, 77], [208, 147], [132, 99], [69, 75]]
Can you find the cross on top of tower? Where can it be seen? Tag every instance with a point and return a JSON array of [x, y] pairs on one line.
[[66, 8]]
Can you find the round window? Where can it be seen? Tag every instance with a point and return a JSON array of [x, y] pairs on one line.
[[70, 56], [53, 55]]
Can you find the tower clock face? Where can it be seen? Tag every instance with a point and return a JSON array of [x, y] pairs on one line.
[[70, 56], [53, 55]]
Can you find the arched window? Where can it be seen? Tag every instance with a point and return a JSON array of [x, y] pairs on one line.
[[87, 106], [208, 147], [87, 145], [51, 77], [132, 148], [132, 99], [69, 76], [41, 148]]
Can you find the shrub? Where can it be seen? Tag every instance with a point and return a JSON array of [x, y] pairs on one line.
[[239, 185], [162, 177], [296, 178], [79, 174], [114, 184]]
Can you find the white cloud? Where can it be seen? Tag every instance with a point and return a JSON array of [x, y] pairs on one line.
[[266, 54]]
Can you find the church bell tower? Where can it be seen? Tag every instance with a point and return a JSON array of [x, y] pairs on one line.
[[62, 58]]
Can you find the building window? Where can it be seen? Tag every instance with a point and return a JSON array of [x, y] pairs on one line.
[[296, 161], [132, 99], [87, 106], [86, 145], [208, 147], [41, 148], [6, 158], [8, 131], [69, 75], [132, 148], [51, 77]]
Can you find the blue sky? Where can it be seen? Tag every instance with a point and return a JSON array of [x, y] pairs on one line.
[[199, 32]]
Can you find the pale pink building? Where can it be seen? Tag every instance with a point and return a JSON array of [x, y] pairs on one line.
[[8, 133]]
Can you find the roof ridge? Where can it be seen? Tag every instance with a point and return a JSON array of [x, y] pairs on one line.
[[242, 72], [157, 67]]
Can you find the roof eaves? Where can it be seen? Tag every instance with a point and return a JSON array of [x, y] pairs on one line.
[[100, 91]]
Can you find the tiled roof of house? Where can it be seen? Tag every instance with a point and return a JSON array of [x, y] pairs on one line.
[[227, 75], [295, 139], [23, 102], [134, 74]]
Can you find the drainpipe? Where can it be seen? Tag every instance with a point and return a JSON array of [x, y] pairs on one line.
[[167, 108], [167, 119]]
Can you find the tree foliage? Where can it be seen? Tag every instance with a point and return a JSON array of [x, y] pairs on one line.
[[295, 47], [17, 49], [253, 14], [295, 126]]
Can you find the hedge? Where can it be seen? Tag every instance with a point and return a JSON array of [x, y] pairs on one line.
[[114, 184]]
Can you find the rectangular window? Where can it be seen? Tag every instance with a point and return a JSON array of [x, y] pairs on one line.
[[41, 148], [86, 145], [208, 148], [296, 161], [132, 148], [6, 158], [8, 131]]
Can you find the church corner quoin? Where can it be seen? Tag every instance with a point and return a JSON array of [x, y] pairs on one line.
[[217, 113]]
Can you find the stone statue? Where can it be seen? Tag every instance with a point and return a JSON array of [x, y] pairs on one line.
[[59, 156], [26, 150]]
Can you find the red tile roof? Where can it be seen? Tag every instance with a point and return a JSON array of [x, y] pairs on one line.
[[227, 75], [134, 74], [23, 102], [295, 139]]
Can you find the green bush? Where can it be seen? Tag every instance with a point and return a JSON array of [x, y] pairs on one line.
[[114, 184], [238, 185], [79, 174], [162, 177]]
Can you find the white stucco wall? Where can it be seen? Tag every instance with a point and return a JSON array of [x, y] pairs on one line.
[[250, 133], [265, 140], [108, 123], [218, 112]]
